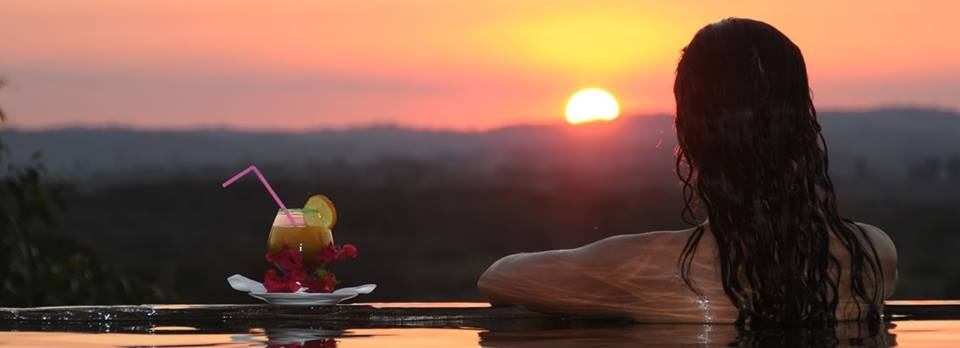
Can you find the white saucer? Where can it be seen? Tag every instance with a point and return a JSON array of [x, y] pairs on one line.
[[299, 298], [303, 298]]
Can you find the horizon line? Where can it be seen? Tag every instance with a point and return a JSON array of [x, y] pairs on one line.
[[13, 127]]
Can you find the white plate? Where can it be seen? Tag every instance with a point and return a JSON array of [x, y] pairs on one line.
[[300, 298], [303, 298]]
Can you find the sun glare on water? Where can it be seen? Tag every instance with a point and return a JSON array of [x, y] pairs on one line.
[[592, 104]]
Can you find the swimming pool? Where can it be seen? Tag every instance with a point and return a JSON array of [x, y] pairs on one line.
[[910, 324]]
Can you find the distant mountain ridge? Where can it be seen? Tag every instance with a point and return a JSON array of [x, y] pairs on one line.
[[884, 138]]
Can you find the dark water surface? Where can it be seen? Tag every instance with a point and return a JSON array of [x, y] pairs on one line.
[[909, 324]]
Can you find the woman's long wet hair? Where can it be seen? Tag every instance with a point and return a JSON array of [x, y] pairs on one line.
[[751, 154]]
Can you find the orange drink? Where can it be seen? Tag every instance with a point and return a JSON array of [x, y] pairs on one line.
[[307, 239]]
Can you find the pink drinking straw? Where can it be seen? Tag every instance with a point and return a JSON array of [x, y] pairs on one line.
[[266, 185]]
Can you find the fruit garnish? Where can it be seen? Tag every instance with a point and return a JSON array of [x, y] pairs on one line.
[[319, 211]]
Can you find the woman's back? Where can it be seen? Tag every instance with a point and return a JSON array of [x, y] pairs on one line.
[[714, 303], [636, 276]]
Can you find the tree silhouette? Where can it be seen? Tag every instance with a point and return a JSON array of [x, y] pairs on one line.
[[926, 171], [861, 169], [38, 267], [953, 168]]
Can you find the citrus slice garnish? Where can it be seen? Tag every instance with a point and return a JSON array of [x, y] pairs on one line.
[[319, 211]]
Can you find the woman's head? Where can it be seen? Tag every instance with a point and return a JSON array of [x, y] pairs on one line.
[[751, 153], [744, 112]]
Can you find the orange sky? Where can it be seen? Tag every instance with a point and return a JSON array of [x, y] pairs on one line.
[[434, 64]]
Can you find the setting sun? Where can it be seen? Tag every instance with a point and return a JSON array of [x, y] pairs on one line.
[[592, 104]]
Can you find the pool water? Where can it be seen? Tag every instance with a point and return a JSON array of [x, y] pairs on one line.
[[905, 333], [901, 331]]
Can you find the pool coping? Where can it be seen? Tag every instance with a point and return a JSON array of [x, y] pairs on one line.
[[380, 315]]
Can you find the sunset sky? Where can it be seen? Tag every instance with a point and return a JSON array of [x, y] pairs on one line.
[[429, 64]]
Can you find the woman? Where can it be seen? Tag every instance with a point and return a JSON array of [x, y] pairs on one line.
[[773, 249]]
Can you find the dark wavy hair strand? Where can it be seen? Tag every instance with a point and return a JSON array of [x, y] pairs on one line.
[[752, 155]]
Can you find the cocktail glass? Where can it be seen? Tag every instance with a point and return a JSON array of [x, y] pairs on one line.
[[296, 235]]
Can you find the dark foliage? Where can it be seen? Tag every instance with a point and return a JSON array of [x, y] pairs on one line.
[[430, 241], [41, 268]]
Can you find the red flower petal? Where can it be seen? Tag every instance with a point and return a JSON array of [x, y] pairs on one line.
[[327, 254], [273, 282], [287, 259], [327, 283], [348, 252], [289, 282]]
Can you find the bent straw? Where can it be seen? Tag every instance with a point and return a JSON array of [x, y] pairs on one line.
[[266, 185]]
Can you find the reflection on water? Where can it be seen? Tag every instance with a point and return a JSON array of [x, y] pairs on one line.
[[928, 333], [286, 337], [850, 334], [291, 337], [903, 333], [572, 333], [89, 340]]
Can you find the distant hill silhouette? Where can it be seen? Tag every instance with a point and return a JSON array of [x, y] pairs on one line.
[[885, 139]]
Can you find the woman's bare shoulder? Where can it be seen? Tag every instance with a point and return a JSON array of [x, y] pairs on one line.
[[667, 243], [880, 239], [887, 251]]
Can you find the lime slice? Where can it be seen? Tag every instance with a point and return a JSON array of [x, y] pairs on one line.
[[319, 211]]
